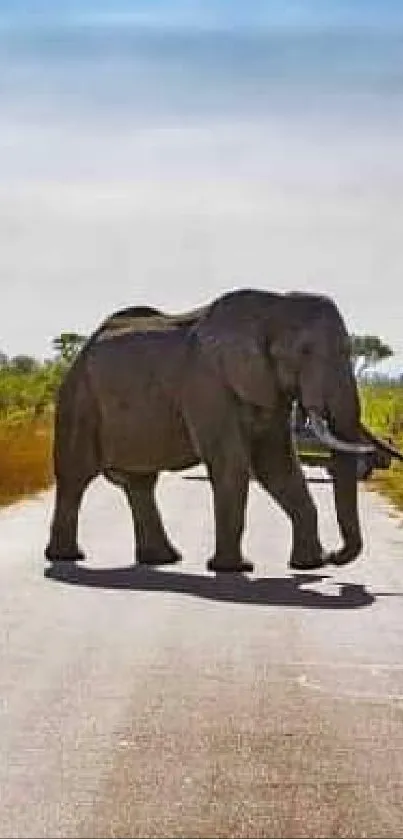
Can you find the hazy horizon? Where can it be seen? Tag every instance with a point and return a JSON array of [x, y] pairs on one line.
[[164, 152]]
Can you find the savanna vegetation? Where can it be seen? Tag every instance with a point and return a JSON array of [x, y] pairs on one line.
[[382, 405], [27, 395]]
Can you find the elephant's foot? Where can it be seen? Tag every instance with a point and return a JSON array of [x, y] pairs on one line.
[[167, 555], [55, 553], [308, 565], [303, 559], [228, 566]]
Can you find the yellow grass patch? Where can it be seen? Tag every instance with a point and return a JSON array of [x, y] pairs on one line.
[[25, 457]]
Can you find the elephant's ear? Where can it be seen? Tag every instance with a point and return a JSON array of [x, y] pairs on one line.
[[239, 359]]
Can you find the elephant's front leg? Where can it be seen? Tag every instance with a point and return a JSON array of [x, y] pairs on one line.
[[229, 475], [278, 471], [213, 423], [152, 543]]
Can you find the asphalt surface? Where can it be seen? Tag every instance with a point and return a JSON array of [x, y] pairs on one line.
[[154, 703]]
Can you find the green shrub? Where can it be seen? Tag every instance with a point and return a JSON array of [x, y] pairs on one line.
[[382, 408]]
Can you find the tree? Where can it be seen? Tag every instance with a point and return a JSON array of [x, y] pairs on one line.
[[366, 351], [3, 360], [23, 364], [68, 345]]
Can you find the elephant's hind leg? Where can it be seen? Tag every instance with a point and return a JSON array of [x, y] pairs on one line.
[[63, 533], [277, 470], [152, 543], [76, 463]]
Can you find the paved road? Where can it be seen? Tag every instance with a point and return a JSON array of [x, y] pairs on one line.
[[173, 703]]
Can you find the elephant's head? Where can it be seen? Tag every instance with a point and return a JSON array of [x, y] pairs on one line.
[[312, 356], [297, 346], [311, 353]]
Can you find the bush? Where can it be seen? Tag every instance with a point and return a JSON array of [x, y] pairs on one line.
[[382, 407], [27, 394]]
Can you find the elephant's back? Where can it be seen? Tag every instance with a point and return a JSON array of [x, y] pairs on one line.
[[144, 320]]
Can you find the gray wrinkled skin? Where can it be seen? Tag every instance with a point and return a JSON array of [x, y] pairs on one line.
[[152, 392]]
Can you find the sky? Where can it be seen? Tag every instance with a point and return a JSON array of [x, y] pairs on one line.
[[212, 13], [165, 151]]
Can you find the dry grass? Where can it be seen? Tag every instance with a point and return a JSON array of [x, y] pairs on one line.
[[25, 457], [391, 485], [390, 482]]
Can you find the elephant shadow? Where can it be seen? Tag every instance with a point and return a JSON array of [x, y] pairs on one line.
[[231, 588]]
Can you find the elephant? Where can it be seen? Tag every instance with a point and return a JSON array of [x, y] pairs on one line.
[[151, 391]]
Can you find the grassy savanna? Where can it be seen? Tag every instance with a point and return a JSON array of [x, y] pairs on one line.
[[382, 406], [25, 457], [26, 429], [27, 394]]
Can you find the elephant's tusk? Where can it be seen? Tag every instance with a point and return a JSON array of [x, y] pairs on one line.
[[381, 444], [322, 432]]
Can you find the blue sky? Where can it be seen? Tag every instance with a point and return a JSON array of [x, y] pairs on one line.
[[213, 13]]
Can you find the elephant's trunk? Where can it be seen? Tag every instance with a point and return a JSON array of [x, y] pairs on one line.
[[334, 414], [344, 417], [346, 503]]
